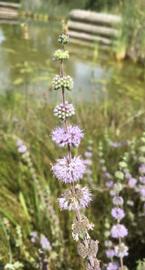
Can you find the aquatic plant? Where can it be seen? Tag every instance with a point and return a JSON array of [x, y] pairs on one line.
[[71, 168]]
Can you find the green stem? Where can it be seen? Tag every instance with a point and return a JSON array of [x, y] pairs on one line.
[[121, 259]]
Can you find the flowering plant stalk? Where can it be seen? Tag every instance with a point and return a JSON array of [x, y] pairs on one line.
[[70, 169], [118, 230]]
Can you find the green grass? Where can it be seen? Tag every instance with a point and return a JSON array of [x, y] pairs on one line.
[[32, 204]]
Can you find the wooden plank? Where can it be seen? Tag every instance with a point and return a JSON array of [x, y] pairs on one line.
[[94, 17], [88, 44], [8, 10], [91, 38], [9, 5], [8, 21], [7, 15], [94, 29]]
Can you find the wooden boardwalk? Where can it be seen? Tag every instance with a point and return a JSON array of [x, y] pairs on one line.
[[91, 28], [9, 10]]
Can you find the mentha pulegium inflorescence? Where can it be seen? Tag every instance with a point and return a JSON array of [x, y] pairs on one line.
[[70, 169]]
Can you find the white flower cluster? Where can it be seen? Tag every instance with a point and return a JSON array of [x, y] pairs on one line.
[[63, 111]]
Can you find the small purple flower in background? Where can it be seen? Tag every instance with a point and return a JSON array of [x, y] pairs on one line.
[[117, 187], [119, 231], [44, 242], [142, 192], [107, 175], [142, 169], [142, 180], [34, 237], [127, 175], [73, 201], [88, 162], [117, 144], [41, 240], [21, 146], [121, 250], [118, 200], [69, 171], [118, 213], [132, 182], [71, 135], [110, 253], [88, 154], [112, 266], [109, 184]]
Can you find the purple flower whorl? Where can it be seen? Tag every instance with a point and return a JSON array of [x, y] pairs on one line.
[[71, 135], [69, 171], [118, 213], [119, 231]]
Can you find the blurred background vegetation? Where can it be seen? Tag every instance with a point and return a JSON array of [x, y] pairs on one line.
[[132, 39], [110, 102]]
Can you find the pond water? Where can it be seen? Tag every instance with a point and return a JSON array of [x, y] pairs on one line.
[[26, 50]]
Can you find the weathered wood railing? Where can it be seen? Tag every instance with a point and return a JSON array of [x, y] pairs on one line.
[[9, 10], [89, 28]]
